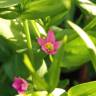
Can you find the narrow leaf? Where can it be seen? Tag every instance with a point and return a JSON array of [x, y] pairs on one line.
[[87, 41], [39, 82]]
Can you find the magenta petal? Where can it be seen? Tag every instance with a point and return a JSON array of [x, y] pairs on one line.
[[44, 49], [41, 41], [50, 37], [16, 83], [20, 85], [56, 45], [24, 86], [53, 52], [20, 90]]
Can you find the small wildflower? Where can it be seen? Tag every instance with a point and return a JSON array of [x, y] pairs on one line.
[[20, 85], [49, 45]]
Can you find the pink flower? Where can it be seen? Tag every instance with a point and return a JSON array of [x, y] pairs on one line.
[[20, 85], [49, 45]]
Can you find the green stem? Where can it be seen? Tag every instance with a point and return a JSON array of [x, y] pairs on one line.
[[90, 25], [35, 27], [51, 58], [26, 29]]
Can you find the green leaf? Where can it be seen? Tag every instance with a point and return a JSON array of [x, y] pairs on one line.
[[54, 70], [91, 24], [7, 3], [16, 30], [6, 84], [71, 60], [64, 94], [86, 89], [9, 14], [56, 20], [5, 28], [40, 93], [63, 83], [43, 8], [39, 82], [36, 93], [60, 33], [42, 70], [7, 49], [84, 36], [15, 67], [88, 6], [89, 43], [93, 58], [37, 28]]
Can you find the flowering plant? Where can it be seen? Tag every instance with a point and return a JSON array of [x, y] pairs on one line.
[[47, 47]]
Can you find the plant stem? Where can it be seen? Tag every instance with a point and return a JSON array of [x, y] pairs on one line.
[[35, 27], [26, 29], [51, 58]]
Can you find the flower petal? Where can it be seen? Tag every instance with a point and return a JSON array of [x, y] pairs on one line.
[[20, 85], [56, 45], [52, 52], [41, 41], [50, 37], [44, 49]]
